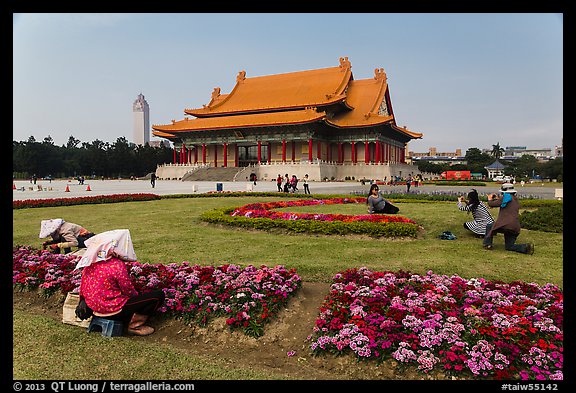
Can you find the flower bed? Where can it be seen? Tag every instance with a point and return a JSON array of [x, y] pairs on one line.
[[51, 202], [261, 216], [247, 297], [467, 328]]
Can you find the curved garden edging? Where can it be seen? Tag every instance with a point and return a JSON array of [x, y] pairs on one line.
[[261, 216]]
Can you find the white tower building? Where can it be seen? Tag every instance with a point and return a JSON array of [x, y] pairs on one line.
[[141, 114]]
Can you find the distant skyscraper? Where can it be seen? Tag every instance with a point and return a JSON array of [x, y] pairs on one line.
[[141, 113]]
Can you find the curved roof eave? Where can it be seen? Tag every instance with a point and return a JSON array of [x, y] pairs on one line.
[[335, 100]]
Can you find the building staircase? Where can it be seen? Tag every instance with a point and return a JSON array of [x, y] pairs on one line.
[[215, 174]]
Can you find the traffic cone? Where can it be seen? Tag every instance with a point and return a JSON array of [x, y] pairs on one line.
[[67, 188], [88, 188]]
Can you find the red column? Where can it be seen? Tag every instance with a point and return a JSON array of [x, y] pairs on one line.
[[387, 147], [236, 155], [319, 152], [283, 150], [216, 155], [225, 155], [182, 154], [174, 155], [203, 153], [377, 152], [353, 149], [259, 151], [269, 152], [366, 152], [310, 149]]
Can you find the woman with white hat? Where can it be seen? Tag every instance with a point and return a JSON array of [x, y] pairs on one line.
[[508, 221], [106, 286], [64, 235]]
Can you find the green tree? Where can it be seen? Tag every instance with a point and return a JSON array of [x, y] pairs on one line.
[[497, 151]]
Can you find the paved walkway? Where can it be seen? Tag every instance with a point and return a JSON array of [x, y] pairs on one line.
[[57, 188]]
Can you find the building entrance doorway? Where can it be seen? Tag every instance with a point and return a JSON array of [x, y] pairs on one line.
[[248, 155]]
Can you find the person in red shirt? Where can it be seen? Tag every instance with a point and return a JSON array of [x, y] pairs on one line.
[[107, 288]]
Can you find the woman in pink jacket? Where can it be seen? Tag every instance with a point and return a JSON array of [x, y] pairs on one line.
[[106, 286]]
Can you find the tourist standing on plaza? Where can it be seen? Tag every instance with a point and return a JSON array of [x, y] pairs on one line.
[[286, 183], [408, 183], [64, 235], [480, 213], [294, 183], [153, 179], [508, 221], [106, 285], [279, 182], [305, 182]]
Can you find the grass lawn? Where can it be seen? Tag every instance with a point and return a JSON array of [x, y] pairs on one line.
[[169, 230]]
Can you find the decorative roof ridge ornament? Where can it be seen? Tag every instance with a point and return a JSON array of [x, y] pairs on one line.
[[379, 74], [216, 93], [241, 76], [345, 63], [173, 121]]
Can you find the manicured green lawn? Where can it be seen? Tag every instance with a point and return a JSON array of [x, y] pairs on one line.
[[169, 230]]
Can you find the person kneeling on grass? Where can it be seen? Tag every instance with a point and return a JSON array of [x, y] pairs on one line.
[[480, 213], [377, 204], [106, 286], [507, 222]]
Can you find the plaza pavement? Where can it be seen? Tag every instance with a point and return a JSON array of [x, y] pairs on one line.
[[57, 188]]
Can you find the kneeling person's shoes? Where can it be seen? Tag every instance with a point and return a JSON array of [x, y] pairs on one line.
[[488, 247], [530, 249], [142, 330]]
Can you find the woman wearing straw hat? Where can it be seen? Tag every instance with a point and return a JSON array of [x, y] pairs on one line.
[[508, 221]]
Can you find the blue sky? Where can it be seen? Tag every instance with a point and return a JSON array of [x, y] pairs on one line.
[[463, 80]]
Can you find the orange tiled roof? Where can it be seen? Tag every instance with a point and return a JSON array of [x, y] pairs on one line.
[[307, 115], [412, 134], [163, 134], [281, 91], [365, 96]]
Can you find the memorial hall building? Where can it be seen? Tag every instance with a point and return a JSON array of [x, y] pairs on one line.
[[319, 122]]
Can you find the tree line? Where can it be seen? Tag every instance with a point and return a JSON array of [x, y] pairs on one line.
[[522, 168], [89, 159], [125, 159]]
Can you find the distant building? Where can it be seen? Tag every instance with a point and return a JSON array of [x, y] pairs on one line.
[[511, 152], [436, 157], [141, 115], [159, 143], [433, 152]]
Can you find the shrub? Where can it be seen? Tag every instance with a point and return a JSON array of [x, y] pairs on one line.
[[547, 218]]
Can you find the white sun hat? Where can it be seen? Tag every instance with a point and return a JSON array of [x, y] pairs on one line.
[[48, 227], [508, 187], [107, 244]]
